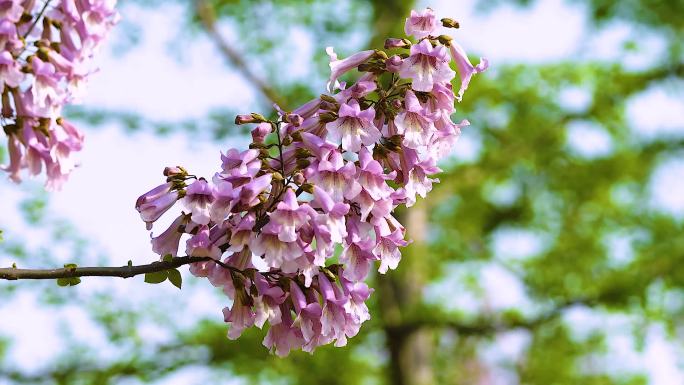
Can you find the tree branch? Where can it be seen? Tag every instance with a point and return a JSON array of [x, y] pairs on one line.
[[129, 271], [208, 22]]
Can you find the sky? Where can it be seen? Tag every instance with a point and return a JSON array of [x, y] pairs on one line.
[[116, 167]]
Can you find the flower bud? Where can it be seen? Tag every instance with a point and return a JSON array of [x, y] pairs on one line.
[[294, 119], [328, 98], [450, 23], [327, 117], [176, 171], [380, 55], [302, 153], [397, 43], [263, 153], [396, 103], [251, 118], [393, 64], [260, 131], [308, 187], [257, 145], [296, 136], [303, 163], [445, 39], [298, 178]]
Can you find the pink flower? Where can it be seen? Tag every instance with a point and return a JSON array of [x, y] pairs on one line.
[[354, 127], [224, 200], [387, 250], [465, 68], [421, 24], [156, 202], [248, 195], [267, 304], [334, 175], [240, 316], [340, 67], [283, 337], [415, 122], [10, 71], [167, 242], [290, 216], [45, 89], [274, 251], [426, 66], [198, 199], [15, 156], [201, 245]]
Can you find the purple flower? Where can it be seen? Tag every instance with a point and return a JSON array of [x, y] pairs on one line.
[[274, 251], [358, 293], [198, 199], [308, 314], [387, 250], [333, 320], [283, 337], [364, 86], [418, 181], [240, 316], [167, 242], [465, 67], [11, 10], [333, 215], [267, 304], [426, 66], [340, 67], [415, 122], [357, 255], [15, 157], [224, 200], [242, 233], [156, 202], [290, 216], [393, 64], [334, 175], [45, 88], [248, 195], [354, 127], [260, 131], [10, 71], [201, 245], [421, 24]]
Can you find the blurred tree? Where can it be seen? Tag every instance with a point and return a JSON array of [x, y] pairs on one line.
[[526, 180]]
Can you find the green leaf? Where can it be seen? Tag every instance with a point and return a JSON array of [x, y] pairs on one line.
[[175, 278], [70, 266], [156, 277], [73, 281]]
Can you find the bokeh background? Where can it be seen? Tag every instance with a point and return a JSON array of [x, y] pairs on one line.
[[551, 253]]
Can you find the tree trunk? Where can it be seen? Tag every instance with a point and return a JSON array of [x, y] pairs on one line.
[[399, 294]]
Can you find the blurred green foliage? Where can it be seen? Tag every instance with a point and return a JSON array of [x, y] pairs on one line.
[[525, 180]]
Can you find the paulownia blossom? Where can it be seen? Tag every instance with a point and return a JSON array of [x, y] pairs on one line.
[[320, 183], [46, 49]]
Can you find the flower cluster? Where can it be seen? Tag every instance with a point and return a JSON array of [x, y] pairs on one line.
[[291, 227], [45, 57]]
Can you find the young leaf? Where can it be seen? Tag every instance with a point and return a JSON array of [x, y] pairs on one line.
[[73, 281], [156, 277], [175, 278]]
